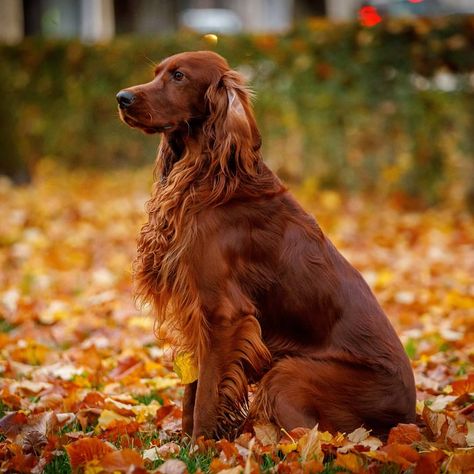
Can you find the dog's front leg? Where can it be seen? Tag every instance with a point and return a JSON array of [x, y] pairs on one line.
[[234, 352], [188, 407]]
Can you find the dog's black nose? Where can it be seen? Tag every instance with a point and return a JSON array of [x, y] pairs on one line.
[[125, 99]]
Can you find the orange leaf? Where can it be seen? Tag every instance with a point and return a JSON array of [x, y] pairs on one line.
[[310, 467], [87, 449], [429, 463], [23, 463], [93, 400], [351, 462], [402, 454], [162, 413], [462, 463], [217, 465], [228, 448], [10, 399], [404, 434], [460, 387], [123, 460]]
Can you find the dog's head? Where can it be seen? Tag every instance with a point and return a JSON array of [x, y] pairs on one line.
[[192, 90]]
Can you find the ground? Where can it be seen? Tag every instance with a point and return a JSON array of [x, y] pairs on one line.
[[85, 387]]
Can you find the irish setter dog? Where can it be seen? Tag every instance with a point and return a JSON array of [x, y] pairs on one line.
[[241, 277]]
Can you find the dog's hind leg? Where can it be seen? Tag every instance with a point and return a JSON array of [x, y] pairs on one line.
[[303, 391]]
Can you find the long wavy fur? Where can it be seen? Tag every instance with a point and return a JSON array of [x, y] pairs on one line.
[[226, 162]]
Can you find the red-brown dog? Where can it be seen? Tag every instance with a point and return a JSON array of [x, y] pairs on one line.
[[244, 279]]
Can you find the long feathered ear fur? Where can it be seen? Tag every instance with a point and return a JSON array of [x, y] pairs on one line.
[[233, 137]]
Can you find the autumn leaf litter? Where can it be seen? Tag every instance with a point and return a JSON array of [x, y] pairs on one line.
[[85, 386]]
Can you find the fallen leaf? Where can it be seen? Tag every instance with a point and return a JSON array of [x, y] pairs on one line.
[[85, 450], [186, 368], [463, 386], [108, 417], [125, 460], [12, 424], [401, 454], [430, 463], [404, 434], [172, 466], [266, 434], [310, 446], [461, 462], [470, 433], [351, 462]]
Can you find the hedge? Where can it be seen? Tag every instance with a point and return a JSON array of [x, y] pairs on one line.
[[388, 109]]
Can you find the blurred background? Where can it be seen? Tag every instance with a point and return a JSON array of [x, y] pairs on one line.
[[373, 97]]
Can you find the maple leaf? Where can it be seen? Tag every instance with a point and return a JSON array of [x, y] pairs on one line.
[[404, 434], [73, 347], [401, 454], [12, 424], [85, 450], [460, 387], [430, 462], [125, 460]]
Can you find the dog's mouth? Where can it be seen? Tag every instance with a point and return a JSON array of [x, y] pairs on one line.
[[135, 123]]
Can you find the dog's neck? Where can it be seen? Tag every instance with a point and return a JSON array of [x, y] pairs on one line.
[[179, 141]]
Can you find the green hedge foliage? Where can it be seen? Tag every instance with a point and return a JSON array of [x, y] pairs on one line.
[[388, 109]]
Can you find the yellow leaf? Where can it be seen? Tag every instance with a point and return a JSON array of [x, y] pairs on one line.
[[185, 367], [161, 383], [384, 278], [350, 462], [287, 448], [470, 433], [109, 416], [310, 445], [93, 467], [146, 412]]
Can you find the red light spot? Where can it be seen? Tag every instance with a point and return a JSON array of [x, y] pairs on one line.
[[415, 1], [369, 16]]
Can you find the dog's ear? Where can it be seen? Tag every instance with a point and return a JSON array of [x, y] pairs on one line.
[[231, 128]]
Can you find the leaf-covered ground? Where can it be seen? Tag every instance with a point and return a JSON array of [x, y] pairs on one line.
[[85, 388]]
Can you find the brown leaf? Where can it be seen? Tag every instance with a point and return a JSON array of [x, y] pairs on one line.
[[434, 421], [12, 424], [167, 450], [404, 434], [266, 434]]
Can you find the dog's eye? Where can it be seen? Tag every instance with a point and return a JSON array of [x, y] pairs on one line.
[[178, 75]]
